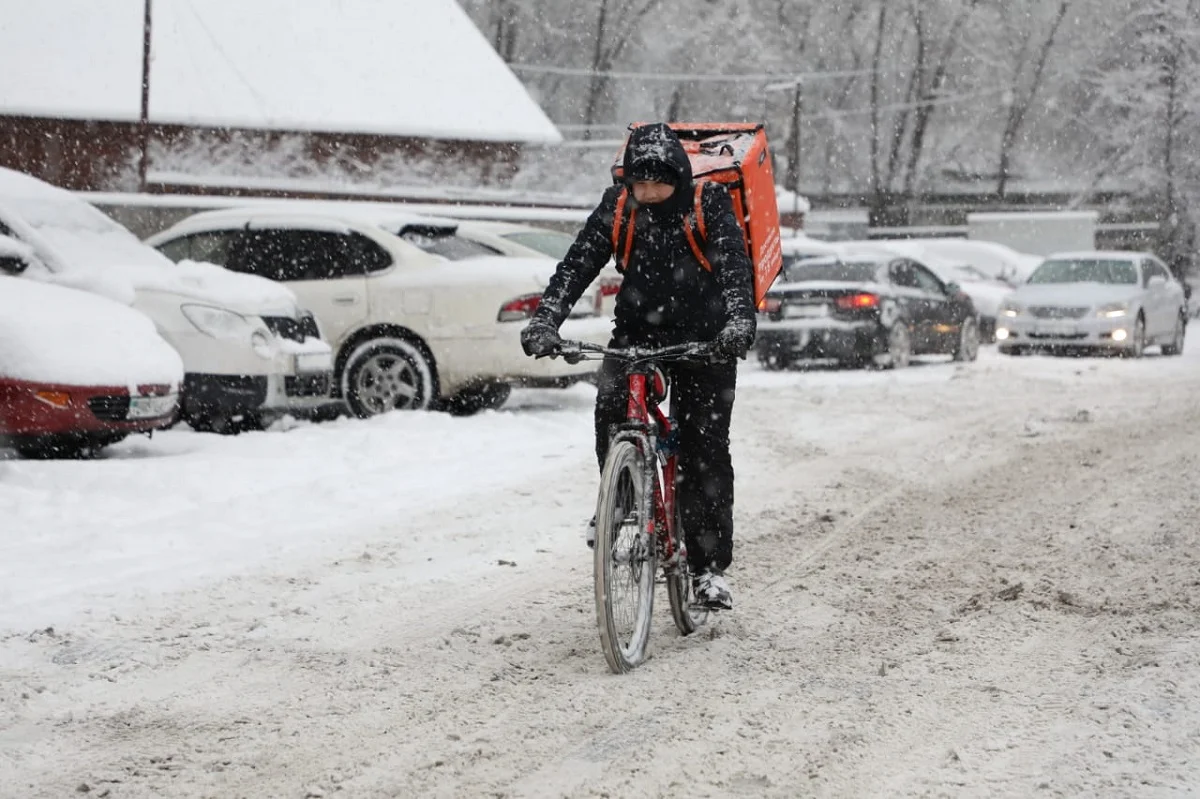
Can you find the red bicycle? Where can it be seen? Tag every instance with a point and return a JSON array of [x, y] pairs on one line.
[[637, 520]]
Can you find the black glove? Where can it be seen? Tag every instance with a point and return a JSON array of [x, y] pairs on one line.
[[733, 342], [539, 338]]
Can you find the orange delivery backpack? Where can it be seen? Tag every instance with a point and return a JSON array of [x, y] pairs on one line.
[[734, 154]]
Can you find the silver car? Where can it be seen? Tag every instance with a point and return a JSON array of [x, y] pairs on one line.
[[1087, 301]]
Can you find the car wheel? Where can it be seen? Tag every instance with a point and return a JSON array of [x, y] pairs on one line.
[[775, 361], [899, 348], [967, 346], [1176, 345], [1137, 347], [486, 397], [387, 374]]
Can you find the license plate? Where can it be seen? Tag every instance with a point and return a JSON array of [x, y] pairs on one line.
[[805, 311], [151, 407], [314, 362], [1056, 329]]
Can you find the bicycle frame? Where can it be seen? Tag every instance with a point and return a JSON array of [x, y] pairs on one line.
[[646, 424]]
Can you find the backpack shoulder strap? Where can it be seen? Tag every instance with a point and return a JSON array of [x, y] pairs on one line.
[[622, 231], [695, 229]]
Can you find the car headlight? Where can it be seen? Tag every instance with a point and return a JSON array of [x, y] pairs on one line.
[[218, 322], [1113, 310], [1009, 309]]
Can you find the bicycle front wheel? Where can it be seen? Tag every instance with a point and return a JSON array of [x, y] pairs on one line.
[[625, 559]]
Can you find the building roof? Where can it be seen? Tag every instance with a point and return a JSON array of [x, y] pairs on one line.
[[415, 68]]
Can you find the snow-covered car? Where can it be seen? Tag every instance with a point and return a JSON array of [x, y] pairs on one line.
[[527, 241], [79, 371], [1120, 301], [986, 292], [998, 261], [250, 353], [863, 309], [419, 317]]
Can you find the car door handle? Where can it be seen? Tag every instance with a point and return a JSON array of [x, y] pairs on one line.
[[344, 300]]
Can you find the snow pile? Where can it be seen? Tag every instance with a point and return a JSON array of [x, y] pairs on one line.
[[59, 335], [78, 246]]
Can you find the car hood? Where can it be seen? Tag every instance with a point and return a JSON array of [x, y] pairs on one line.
[[985, 296], [1067, 294]]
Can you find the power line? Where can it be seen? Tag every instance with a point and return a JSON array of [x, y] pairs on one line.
[[951, 99], [689, 77]]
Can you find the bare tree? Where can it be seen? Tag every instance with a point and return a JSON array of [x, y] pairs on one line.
[[616, 22], [1021, 97]]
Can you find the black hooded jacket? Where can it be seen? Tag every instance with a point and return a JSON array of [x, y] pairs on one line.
[[666, 296]]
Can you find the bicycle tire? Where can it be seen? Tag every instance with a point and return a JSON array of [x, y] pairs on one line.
[[622, 485], [687, 615]]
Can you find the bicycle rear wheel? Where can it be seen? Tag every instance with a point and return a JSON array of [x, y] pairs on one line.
[[625, 559], [687, 615]]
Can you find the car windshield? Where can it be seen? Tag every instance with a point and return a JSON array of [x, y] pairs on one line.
[[1085, 270], [812, 269], [550, 242], [445, 243]]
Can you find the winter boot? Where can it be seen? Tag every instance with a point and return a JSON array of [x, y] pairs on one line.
[[711, 590]]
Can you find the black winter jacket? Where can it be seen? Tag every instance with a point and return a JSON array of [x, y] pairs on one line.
[[666, 296]]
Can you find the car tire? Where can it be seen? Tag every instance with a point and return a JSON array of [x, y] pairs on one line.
[[967, 346], [899, 348], [486, 397], [775, 361], [1137, 346], [386, 374], [1176, 345]]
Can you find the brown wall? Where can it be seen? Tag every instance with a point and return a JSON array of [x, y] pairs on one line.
[[100, 156]]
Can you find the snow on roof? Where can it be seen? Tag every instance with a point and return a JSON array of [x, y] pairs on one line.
[[331, 215], [391, 67], [1091, 255]]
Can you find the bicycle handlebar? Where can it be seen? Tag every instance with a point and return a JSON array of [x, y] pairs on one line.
[[576, 351]]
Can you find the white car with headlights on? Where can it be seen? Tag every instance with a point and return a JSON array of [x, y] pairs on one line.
[[1092, 301], [250, 354], [419, 317]]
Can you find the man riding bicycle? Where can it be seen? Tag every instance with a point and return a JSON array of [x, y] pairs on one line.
[[668, 297]]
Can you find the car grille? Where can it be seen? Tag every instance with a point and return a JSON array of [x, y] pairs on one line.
[[110, 408], [1059, 336], [306, 385], [294, 329], [1057, 312]]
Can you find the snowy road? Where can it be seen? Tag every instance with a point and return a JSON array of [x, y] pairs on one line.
[[952, 580]]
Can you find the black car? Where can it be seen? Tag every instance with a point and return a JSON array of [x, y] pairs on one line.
[[862, 310]]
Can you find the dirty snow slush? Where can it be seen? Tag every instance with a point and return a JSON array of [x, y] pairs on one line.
[[962, 580]]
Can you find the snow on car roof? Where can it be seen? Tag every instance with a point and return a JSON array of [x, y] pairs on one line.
[[59, 335], [402, 68], [328, 215], [84, 248], [1091, 255]]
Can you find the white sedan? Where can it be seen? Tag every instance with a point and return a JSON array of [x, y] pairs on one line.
[[418, 316], [1119, 301], [527, 241]]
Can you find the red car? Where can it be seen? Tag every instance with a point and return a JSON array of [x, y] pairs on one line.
[[78, 371]]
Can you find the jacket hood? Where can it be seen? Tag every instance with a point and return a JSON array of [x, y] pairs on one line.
[[658, 143]]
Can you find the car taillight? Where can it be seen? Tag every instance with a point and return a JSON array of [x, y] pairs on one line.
[[519, 308], [609, 286], [770, 304], [858, 301]]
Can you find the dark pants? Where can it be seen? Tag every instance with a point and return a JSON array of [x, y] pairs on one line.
[[702, 405]]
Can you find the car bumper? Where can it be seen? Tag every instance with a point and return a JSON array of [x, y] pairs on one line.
[[80, 410], [804, 339], [1091, 333]]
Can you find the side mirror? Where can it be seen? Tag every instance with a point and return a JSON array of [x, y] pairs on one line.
[[12, 265], [1156, 282], [953, 289]]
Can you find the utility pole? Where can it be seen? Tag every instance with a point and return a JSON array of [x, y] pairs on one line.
[[144, 121], [793, 171]]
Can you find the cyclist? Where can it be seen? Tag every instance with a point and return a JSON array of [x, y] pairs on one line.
[[667, 297]]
